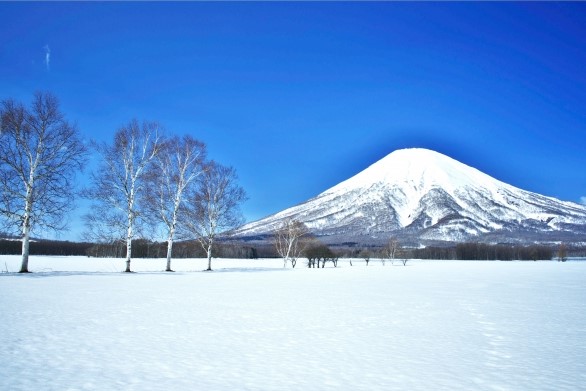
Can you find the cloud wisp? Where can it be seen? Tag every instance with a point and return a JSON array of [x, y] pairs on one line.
[[47, 57], [583, 200]]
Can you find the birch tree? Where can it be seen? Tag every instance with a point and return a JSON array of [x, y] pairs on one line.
[[391, 248], [118, 183], [288, 240], [214, 207], [40, 153], [176, 169]]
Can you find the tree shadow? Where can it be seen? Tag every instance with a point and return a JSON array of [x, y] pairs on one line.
[[47, 274], [51, 273], [246, 270]]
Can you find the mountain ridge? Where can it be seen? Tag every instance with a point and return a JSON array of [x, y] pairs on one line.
[[424, 197]]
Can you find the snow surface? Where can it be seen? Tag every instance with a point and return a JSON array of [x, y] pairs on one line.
[[79, 324]]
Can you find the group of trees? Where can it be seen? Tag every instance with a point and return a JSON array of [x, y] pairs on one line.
[[145, 181], [292, 240], [148, 180], [316, 251], [390, 251]]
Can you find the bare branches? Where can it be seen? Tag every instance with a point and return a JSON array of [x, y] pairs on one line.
[[390, 250], [214, 207], [173, 174], [288, 240], [166, 181], [40, 153], [119, 181]]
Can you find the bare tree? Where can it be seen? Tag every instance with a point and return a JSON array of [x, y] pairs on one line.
[[365, 254], [288, 240], [119, 182], [40, 153], [214, 207], [176, 168], [391, 248]]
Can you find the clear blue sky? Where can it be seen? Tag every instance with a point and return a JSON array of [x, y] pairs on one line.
[[300, 96]]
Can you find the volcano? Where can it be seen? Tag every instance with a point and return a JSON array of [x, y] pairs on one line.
[[424, 197]]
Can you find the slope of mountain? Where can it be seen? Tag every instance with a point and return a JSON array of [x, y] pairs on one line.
[[423, 197]]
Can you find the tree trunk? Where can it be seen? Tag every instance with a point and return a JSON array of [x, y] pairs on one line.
[[129, 241], [128, 252], [172, 232], [25, 251], [169, 253], [26, 227], [209, 257]]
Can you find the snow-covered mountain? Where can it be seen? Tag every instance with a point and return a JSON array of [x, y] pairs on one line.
[[423, 197]]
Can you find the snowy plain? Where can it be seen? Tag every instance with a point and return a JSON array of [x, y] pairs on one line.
[[80, 324]]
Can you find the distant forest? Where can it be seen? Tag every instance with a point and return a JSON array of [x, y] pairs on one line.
[[142, 248]]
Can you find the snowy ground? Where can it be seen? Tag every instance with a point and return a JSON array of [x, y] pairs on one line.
[[78, 324]]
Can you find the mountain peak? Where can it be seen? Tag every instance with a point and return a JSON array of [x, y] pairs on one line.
[[424, 196], [416, 167]]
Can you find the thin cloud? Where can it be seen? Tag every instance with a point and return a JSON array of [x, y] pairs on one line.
[[583, 200], [47, 56]]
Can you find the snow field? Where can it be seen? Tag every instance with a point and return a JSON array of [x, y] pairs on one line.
[[252, 325]]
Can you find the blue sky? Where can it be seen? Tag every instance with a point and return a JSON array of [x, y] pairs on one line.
[[300, 96]]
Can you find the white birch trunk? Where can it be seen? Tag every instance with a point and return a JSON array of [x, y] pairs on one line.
[[26, 231], [291, 239], [169, 251], [129, 242], [172, 228], [209, 250], [26, 224]]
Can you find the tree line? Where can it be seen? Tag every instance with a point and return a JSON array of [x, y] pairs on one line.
[[147, 182], [143, 248], [46, 247], [461, 251], [314, 252], [292, 241]]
